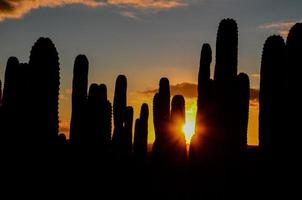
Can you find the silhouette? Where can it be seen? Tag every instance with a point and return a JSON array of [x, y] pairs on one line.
[[219, 164], [140, 143], [44, 81], [79, 99], [169, 140], [293, 98], [271, 83], [123, 120]]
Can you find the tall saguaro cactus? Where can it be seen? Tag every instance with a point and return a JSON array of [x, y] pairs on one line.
[[226, 50], [293, 88], [11, 83], [105, 117], [271, 83], [79, 99], [45, 81], [205, 85], [10, 100], [123, 120], [119, 107], [239, 140], [140, 145]]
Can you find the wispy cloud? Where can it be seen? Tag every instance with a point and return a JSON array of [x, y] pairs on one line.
[[281, 27], [149, 4], [15, 9], [130, 14]]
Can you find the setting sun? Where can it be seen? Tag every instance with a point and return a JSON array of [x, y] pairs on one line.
[[188, 129]]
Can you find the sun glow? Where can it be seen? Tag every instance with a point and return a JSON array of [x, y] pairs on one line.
[[188, 129]]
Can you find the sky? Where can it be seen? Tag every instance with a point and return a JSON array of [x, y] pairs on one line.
[[143, 39]]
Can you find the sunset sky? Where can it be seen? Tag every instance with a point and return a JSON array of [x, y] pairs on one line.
[[143, 39]]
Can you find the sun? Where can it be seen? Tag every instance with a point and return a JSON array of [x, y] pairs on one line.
[[188, 130]]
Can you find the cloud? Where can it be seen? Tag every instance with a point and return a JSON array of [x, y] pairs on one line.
[[281, 27], [149, 4], [18, 8], [189, 90], [130, 15], [15, 9]]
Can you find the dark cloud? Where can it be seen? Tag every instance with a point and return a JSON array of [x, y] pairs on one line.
[[188, 90]]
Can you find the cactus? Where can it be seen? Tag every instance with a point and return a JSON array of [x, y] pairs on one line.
[[127, 135], [93, 133], [293, 68], [79, 99], [242, 109], [271, 82], [161, 109], [204, 88], [123, 121], [119, 108], [226, 50], [161, 117], [178, 113], [178, 120], [141, 135], [105, 117], [45, 81], [10, 99], [10, 83], [62, 139]]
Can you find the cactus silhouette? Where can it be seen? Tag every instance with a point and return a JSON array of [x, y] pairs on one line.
[[178, 120], [105, 117], [127, 136], [161, 109], [293, 82], [62, 139], [45, 81], [79, 99], [161, 118], [123, 120], [10, 83], [141, 135], [204, 88], [93, 133], [242, 109], [119, 107], [271, 82], [10, 101], [226, 50]]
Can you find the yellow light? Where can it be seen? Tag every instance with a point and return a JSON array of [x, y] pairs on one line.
[[188, 129]]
